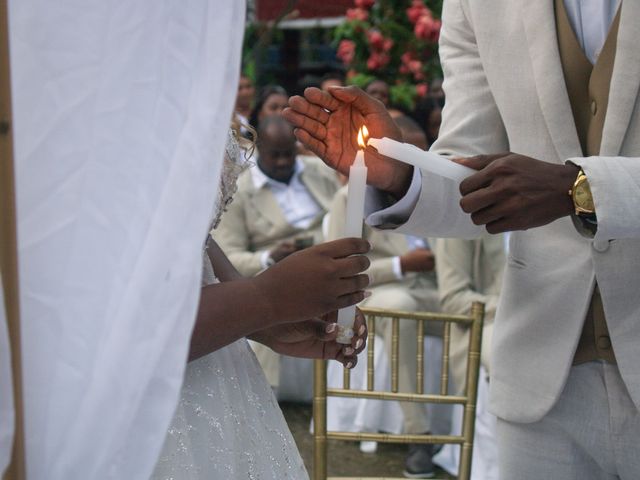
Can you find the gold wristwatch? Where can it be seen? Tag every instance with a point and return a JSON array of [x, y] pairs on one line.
[[581, 195]]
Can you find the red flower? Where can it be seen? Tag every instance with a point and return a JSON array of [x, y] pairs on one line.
[[422, 89], [427, 28], [346, 51], [376, 40], [378, 60], [357, 14], [365, 3], [387, 44], [415, 66], [416, 10]]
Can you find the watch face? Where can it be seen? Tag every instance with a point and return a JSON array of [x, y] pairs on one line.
[[583, 198]]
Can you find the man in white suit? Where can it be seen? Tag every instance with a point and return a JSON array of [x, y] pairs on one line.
[[559, 86]]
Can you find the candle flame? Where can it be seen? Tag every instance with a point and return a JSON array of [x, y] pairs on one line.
[[363, 136]]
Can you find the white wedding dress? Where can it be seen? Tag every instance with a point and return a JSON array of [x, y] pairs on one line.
[[228, 424]]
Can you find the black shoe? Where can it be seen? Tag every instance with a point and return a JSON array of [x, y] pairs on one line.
[[418, 463]]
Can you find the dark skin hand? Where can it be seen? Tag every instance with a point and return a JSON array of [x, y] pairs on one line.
[[315, 338], [284, 302], [328, 123], [514, 192], [282, 251], [418, 260], [510, 191]]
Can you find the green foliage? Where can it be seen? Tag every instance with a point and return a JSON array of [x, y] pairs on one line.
[[393, 40]]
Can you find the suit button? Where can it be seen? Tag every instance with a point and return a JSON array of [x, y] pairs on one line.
[[594, 107], [600, 246], [604, 342]]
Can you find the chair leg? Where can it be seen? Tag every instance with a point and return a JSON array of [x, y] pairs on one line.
[[320, 420]]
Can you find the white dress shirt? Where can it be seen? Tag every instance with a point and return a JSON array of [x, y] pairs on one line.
[[591, 21]]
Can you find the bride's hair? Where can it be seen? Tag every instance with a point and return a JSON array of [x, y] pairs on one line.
[[247, 145]]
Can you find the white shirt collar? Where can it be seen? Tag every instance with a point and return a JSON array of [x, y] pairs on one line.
[[260, 179]]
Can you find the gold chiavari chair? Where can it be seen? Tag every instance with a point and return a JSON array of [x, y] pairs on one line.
[[474, 322]]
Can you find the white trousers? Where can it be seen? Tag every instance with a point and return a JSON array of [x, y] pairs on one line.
[[591, 433]]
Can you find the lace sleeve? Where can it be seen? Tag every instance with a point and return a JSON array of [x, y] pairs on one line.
[[235, 162]]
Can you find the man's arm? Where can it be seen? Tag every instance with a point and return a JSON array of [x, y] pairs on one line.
[[233, 237], [471, 125]]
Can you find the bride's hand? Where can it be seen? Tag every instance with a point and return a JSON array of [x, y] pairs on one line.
[[314, 281], [315, 338]]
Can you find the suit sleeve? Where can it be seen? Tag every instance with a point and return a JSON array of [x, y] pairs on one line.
[[471, 125], [232, 236], [615, 186], [456, 287]]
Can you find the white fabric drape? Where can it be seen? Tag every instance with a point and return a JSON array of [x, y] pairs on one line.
[[121, 115], [7, 422]]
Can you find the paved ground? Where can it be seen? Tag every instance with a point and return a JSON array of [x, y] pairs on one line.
[[345, 458]]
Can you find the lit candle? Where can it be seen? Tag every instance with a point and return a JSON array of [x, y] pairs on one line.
[[419, 158], [353, 226]]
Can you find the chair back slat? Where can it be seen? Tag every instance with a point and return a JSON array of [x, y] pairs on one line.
[[468, 399]]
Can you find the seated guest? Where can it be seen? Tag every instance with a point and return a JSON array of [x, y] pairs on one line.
[[471, 271], [428, 115], [271, 100], [277, 210], [380, 89], [332, 79], [244, 102]]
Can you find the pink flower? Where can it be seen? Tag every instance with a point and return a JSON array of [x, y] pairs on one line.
[[422, 89], [427, 28], [376, 40], [415, 66], [346, 51], [416, 10], [365, 3], [378, 60], [357, 14], [406, 57]]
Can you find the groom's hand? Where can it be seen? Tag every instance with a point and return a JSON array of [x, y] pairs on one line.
[[315, 338], [328, 123], [515, 192]]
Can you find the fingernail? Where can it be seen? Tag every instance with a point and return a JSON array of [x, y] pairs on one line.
[[349, 365], [331, 328], [359, 343], [348, 351], [361, 330], [367, 293]]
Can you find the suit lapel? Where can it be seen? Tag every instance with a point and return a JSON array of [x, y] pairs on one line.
[[266, 205], [316, 189], [625, 80], [540, 29]]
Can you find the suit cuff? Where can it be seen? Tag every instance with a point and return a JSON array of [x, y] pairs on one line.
[[397, 268], [265, 259], [383, 213]]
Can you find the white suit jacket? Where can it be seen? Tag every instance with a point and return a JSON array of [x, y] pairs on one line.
[[506, 92]]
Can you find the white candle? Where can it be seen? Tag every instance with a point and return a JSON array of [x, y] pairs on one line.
[[419, 158], [353, 228]]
